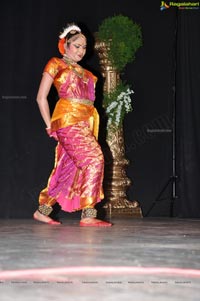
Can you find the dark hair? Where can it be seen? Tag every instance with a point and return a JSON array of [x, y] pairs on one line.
[[71, 34]]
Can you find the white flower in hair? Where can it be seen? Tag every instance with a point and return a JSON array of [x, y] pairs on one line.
[[68, 29]]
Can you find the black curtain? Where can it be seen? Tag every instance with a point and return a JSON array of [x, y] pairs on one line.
[[188, 112], [29, 33]]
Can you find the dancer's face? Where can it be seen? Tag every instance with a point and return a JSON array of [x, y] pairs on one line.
[[75, 48]]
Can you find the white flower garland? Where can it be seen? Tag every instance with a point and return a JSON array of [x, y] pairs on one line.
[[68, 29], [114, 110]]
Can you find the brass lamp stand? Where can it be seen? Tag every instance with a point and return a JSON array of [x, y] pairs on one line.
[[116, 181]]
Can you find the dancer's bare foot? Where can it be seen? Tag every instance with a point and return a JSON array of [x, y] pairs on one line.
[[93, 222], [44, 218]]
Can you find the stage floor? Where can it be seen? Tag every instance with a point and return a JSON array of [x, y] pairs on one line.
[[136, 259]]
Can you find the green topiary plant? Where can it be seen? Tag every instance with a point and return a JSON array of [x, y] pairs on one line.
[[123, 37]]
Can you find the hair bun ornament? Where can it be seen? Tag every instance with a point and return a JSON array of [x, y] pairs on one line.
[[68, 29], [61, 46]]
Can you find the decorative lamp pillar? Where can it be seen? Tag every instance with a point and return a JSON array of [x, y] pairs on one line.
[[116, 181]]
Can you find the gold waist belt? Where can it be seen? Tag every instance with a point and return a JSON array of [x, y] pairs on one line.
[[81, 101]]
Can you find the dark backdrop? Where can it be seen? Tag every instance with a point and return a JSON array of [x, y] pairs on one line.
[[165, 72]]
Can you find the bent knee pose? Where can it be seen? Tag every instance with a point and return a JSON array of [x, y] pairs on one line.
[[75, 182]]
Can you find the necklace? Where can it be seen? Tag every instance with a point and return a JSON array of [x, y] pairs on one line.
[[77, 69], [69, 61]]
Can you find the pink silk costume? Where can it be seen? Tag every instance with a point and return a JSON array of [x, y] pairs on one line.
[[76, 179]]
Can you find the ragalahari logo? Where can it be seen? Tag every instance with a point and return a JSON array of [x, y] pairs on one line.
[[179, 5], [164, 5]]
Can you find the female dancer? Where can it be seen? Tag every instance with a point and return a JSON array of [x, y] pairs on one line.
[[76, 179]]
